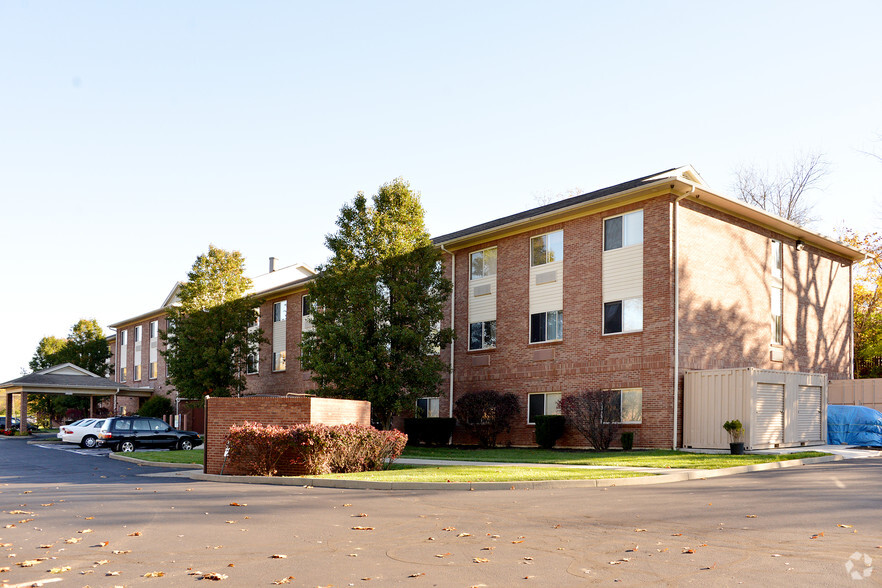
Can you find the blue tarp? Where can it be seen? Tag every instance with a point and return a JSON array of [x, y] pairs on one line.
[[854, 425]]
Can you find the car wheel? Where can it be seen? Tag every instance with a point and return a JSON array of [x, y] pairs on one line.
[[89, 442], [185, 444], [127, 446]]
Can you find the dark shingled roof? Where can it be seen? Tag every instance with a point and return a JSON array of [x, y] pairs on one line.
[[63, 380], [552, 207]]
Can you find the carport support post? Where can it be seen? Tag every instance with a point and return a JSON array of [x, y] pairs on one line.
[[91, 406], [23, 425], [8, 411]]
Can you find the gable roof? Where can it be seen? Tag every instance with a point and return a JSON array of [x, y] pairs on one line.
[[67, 377]]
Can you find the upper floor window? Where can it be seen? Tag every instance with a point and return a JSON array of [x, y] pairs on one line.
[[623, 316], [546, 248], [482, 335], [777, 316], [777, 259], [307, 305], [546, 326], [123, 338], [483, 263], [137, 333], [623, 231], [280, 311], [154, 329]]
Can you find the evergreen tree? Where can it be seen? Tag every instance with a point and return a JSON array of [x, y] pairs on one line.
[[377, 306], [208, 341]]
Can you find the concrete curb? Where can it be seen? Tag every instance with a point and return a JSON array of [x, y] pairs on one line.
[[158, 464], [538, 485]]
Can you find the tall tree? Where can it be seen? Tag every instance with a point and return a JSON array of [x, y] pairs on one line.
[[208, 341], [47, 349], [867, 304], [783, 192], [377, 306]]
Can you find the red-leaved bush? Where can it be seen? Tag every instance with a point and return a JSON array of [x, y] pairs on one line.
[[321, 449]]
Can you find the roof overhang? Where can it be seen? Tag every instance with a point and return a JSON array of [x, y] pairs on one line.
[[67, 390]]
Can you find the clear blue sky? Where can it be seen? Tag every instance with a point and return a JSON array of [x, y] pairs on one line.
[[132, 135]]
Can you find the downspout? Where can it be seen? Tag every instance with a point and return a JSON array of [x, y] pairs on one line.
[[677, 312], [452, 322], [851, 321]]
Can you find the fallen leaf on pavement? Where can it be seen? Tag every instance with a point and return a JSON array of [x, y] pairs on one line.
[[417, 575], [449, 529], [154, 574], [121, 551], [817, 535], [284, 580], [59, 570], [237, 504], [442, 554], [278, 556], [639, 530], [85, 531], [464, 535], [845, 526], [750, 516], [688, 550], [480, 560], [361, 514], [112, 573], [362, 528], [135, 534], [213, 576]]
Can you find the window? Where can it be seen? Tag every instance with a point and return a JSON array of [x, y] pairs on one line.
[[154, 329], [777, 259], [482, 335], [124, 371], [123, 338], [627, 406], [137, 373], [280, 311], [623, 316], [138, 333], [546, 248], [251, 365], [777, 316], [623, 231], [169, 325], [541, 404], [483, 263], [306, 305], [428, 407], [546, 326], [153, 370], [279, 361]]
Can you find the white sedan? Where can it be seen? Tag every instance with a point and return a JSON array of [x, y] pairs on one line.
[[84, 432]]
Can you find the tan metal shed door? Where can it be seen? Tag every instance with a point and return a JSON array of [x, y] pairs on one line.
[[769, 414], [809, 408]]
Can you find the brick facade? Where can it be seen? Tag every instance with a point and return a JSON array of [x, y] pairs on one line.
[[223, 413]]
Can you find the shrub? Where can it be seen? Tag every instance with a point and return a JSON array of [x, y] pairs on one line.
[[431, 431], [157, 407], [486, 414], [628, 440], [320, 449], [549, 428], [593, 413], [735, 430]]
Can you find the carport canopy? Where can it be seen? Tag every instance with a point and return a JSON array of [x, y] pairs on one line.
[[65, 379]]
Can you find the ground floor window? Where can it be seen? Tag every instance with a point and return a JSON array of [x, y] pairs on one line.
[[279, 361], [628, 406], [154, 371], [546, 326], [137, 373], [251, 364], [428, 408], [543, 403]]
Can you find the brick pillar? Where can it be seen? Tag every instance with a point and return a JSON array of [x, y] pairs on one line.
[[23, 425]]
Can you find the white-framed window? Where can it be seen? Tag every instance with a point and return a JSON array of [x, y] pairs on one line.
[[623, 316], [623, 230], [154, 329], [428, 408], [154, 371], [777, 259], [482, 335], [777, 316], [123, 338], [541, 404], [123, 374], [137, 373], [280, 311], [279, 361], [546, 326], [306, 305], [251, 363], [138, 333], [546, 248], [627, 406], [482, 263]]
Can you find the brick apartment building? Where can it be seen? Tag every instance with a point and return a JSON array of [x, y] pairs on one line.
[[622, 288]]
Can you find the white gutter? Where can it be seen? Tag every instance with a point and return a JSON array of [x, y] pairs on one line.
[[452, 322], [677, 311]]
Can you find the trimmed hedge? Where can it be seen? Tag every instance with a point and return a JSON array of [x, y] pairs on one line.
[[431, 431], [549, 428], [321, 449]]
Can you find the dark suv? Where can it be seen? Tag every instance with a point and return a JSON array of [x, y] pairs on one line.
[[128, 433]]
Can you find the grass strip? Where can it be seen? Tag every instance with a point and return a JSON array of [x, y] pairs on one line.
[[656, 458], [414, 473], [174, 456]]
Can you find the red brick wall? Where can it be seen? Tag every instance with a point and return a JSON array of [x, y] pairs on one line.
[[222, 413]]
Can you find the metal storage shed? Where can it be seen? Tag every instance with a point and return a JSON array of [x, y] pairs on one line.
[[777, 408]]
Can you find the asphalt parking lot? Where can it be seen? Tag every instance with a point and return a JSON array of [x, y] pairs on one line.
[[788, 527]]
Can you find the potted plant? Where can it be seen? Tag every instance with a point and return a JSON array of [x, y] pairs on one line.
[[736, 436]]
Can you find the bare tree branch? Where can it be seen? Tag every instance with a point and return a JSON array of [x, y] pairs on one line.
[[783, 193]]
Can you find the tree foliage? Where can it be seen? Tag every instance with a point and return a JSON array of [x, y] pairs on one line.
[[486, 414], [783, 192], [377, 305], [157, 407], [593, 413], [207, 342], [867, 304]]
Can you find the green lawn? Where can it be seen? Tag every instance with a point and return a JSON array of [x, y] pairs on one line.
[[172, 456], [412, 473], [656, 458]]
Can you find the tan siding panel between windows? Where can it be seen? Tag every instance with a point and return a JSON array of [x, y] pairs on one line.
[[482, 308], [547, 296], [623, 273], [279, 330]]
